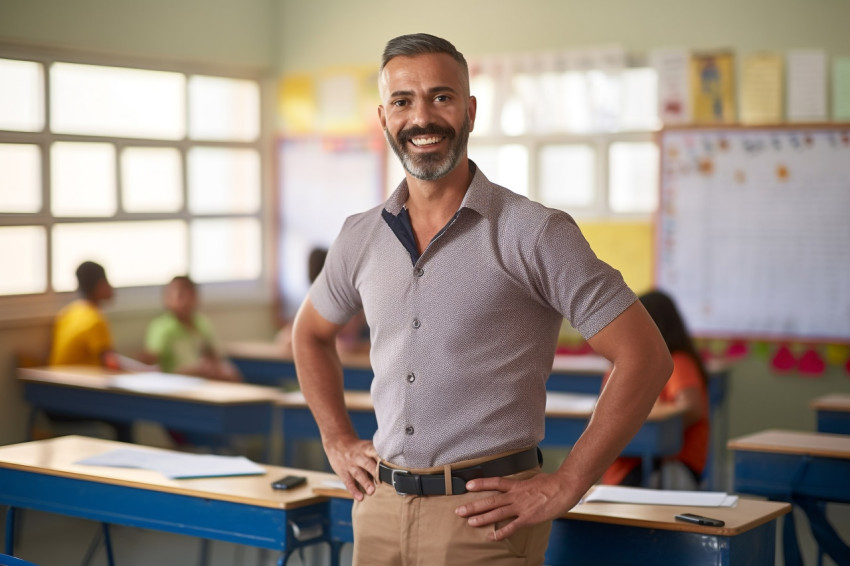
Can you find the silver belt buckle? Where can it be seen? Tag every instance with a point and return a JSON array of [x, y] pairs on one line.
[[395, 473]]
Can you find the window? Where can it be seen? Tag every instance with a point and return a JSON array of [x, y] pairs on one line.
[[573, 130], [152, 172]]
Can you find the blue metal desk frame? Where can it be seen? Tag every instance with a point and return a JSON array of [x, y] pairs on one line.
[[805, 480], [189, 415], [181, 514]]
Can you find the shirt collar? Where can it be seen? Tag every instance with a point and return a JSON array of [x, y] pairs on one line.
[[478, 195]]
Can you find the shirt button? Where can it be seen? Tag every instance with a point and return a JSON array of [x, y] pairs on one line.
[[419, 272], [411, 377], [416, 323], [408, 431]]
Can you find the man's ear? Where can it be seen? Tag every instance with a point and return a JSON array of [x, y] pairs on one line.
[[382, 116], [471, 110]]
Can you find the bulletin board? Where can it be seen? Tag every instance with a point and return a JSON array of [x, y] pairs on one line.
[[321, 181], [753, 231]]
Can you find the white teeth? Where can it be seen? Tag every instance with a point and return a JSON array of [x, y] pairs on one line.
[[425, 141]]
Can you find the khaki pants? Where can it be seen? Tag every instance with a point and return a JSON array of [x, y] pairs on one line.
[[409, 530]]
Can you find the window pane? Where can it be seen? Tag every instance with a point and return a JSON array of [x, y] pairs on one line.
[[226, 249], [23, 255], [82, 179], [133, 253], [633, 177], [639, 104], [151, 179], [223, 109], [20, 177], [506, 165], [483, 88], [578, 114], [567, 176], [21, 96], [224, 180], [113, 101]]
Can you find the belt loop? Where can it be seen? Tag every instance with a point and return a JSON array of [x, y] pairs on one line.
[[447, 475], [376, 477]]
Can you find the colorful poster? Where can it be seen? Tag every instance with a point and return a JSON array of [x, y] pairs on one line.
[[674, 91], [713, 87], [841, 89]]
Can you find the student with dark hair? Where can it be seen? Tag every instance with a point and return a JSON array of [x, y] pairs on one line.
[[688, 388], [81, 334]]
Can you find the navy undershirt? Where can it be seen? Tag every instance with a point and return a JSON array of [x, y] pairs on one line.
[[401, 227]]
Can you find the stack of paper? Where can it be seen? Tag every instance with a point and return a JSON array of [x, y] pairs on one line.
[[619, 494], [176, 465]]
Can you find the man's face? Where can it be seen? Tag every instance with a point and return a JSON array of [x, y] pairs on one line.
[[427, 113]]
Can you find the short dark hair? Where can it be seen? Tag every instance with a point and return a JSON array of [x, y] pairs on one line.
[[420, 44], [186, 280], [315, 262], [89, 274]]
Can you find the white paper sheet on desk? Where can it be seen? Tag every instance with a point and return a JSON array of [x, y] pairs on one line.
[[570, 401], [620, 494], [155, 382], [176, 465]]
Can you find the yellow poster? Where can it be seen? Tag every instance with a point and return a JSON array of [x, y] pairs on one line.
[[761, 89], [713, 87]]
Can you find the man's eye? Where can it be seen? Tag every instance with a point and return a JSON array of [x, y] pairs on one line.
[[400, 103], [442, 98]]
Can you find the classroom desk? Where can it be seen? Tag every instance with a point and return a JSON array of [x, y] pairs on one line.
[[263, 363], [833, 413], [645, 534], [661, 434], [808, 469], [216, 407], [42, 475]]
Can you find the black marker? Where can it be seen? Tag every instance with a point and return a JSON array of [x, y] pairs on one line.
[[700, 520]]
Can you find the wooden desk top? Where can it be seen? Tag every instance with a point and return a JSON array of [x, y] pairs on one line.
[[794, 442], [56, 457], [91, 377], [832, 402], [746, 515], [272, 352], [362, 401]]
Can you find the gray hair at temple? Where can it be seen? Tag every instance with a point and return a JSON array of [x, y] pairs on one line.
[[419, 44]]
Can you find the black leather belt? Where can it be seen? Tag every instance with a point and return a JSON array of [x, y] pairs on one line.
[[406, 483]]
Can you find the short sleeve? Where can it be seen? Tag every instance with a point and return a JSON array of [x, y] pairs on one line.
[[156, 336], [333, 293], [686, 375], [99, 337], [588, 292]]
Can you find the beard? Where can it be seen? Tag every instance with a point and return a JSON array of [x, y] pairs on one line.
[[433, 165]]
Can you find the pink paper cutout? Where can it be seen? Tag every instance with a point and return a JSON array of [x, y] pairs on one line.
[[737, 349], [811, 363], [783, 360]]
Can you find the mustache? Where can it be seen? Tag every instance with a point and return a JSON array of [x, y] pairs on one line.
[[405, 136]]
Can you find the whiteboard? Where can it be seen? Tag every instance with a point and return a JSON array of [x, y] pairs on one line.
[[753, 231]]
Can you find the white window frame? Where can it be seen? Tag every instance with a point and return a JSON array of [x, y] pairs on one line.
[[41, 305]]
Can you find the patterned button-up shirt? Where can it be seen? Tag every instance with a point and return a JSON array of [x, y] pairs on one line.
[[463, 336]]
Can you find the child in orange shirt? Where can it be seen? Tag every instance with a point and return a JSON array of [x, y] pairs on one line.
[[688, 388]]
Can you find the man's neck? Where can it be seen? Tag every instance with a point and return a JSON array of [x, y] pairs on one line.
[[432, 203]]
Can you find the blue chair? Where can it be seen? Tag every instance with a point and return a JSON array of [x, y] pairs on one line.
[[6, 560]]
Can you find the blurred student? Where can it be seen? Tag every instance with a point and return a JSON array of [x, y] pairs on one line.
[[687, 388], [81, 334], [182, 340], [353, 338]]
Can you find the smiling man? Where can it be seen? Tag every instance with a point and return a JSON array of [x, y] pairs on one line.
[[464, 285]]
